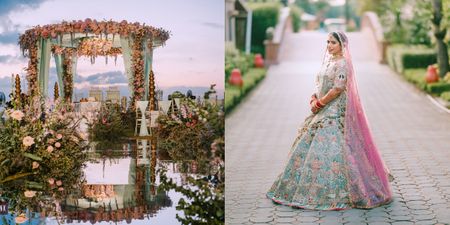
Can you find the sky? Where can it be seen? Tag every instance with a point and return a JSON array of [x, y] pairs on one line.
[[193, 57]]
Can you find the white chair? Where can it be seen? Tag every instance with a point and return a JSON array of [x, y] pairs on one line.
[[142, 118]]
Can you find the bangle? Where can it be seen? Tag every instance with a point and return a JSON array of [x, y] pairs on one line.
[[319, 104]]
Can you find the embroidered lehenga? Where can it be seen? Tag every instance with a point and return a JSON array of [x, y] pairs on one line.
[[333, 163]]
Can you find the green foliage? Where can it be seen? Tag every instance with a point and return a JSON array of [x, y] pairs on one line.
[[265, 15], [196, 134], [234, 95], [417, 77], [401, 57], [446, 95], [236, 59], [295, 17], [438, 88], [188, 135], [111, 125], [48, 167]]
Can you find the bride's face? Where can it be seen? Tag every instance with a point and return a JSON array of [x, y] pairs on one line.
[[333, 46]]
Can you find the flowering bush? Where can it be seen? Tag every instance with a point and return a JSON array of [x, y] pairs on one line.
[[41, 157], [196, 134], [110, 126]]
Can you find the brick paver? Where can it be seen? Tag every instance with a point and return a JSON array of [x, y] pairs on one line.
[[412, 134]]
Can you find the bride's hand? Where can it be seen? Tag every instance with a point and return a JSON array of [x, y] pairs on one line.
[[314, 109]]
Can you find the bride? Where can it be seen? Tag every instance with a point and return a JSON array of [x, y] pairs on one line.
[[334, 163]]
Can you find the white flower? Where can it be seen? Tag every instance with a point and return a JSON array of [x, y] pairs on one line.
[[29, 194], [17, 115], [28, 141], [35, 165]]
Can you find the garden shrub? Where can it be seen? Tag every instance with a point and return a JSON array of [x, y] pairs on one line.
[[264, 15]]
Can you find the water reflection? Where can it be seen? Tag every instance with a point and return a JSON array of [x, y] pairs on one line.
[[121, 187]]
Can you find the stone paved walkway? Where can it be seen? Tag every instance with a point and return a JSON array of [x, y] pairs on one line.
[[412, 134]]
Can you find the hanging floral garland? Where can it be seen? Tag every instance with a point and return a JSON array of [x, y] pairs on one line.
[[124, 28], [138, 66]]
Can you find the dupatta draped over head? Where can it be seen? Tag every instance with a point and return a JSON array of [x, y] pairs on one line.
[[369, 183]]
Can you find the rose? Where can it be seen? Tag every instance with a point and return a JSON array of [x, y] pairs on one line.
[[17, 115], [35, 165], [50, 149], [28, 141], [59, 182], [51, 181], [57, 144], [29, 194], [59, 136]]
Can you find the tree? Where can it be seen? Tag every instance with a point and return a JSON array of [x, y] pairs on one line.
[[439, 34]]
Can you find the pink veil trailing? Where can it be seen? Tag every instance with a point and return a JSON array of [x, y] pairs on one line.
[[368, 174]]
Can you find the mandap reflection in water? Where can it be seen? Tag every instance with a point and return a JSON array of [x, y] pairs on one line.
[[119, 188]]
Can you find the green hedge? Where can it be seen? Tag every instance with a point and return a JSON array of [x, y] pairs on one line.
[[295, 13], [446, 95], [438, 88], [236, 59], [417, 77], [234, 95], [401, 57], [264, 15]]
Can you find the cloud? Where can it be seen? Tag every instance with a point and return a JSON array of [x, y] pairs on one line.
[[11, 37], [10, 5], [111, 77], [213, 25]]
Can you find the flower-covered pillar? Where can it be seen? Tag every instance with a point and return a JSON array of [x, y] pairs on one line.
[[69, 67], [44, 54], [138, 66]]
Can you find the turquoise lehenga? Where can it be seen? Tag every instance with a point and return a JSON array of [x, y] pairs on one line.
[[320, 173]]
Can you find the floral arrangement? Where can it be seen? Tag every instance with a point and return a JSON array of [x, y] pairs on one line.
[[32, 71], [110, 126], [68, 76], [42, 156], [196, 133], [124, 28], [138, 67]]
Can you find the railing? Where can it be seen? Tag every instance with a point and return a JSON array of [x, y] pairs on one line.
[[371, 21], [272, 46]]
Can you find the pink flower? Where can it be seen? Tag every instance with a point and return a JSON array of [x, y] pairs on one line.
[[35, 165], [17, 115], [61, 189], [51, 181], [50, 149], [57, 144], [59, 136], [58, 182], [28, 141], [29, 194]]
